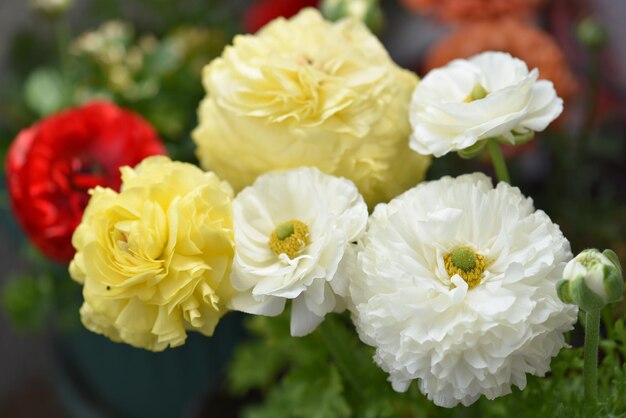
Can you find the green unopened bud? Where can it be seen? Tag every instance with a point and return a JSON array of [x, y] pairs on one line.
[[591, 280], [50, 8], [591, 33], [368, 11]]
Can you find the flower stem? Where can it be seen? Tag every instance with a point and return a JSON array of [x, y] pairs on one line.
[[591, 104], [498, 160], [607, 320], [61, 34], [592, 335]]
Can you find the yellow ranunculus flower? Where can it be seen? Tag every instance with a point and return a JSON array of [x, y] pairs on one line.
[[307, 92], [155, 258]]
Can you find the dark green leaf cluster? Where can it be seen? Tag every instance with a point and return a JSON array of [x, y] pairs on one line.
[[151, 65], [331, 374], [48, 297], [328, 374]]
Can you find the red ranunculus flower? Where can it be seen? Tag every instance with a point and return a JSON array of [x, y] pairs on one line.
[[262, 12], [51, 166]]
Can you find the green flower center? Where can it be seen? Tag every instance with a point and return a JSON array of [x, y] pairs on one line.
[[465, 262], [290, 238], [478, 92]]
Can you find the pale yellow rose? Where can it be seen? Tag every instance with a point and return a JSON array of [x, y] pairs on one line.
[[155, 258], [307, 92]]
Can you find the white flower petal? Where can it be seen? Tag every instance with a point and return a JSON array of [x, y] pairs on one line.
[[341, 281], [335, 215], [264, 305], [443, 120], [323, 303], [303, 321]]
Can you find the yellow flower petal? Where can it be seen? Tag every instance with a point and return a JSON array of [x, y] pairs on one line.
[[155, 258], [308, 92]]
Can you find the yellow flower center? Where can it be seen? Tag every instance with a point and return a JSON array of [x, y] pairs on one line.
[[289, 238], [465, 262], [477, 93]]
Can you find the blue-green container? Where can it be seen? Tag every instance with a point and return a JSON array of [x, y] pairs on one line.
[[97, 378]]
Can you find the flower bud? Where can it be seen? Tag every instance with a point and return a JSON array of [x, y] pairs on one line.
[[368, 11], [591, 33], [592, 279], [50, 7]]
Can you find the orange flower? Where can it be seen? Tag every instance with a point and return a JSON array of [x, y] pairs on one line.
[[524, 41], [467, 10]]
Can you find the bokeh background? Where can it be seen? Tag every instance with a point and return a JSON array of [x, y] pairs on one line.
[[150, 59]]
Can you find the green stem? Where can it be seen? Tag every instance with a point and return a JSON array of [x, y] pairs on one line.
[[591, 101], [498, 160], [341, 354], [592, 335], [607, 320], [61, 34]]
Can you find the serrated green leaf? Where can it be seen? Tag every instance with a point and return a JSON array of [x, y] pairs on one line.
[[254, 365], [306, 393]]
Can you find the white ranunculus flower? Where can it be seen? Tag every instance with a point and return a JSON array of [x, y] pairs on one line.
[[292, 229], [455, 286], [489, 95]]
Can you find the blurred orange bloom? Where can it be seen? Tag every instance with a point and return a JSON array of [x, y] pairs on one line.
[[522, 40], [467, 10]]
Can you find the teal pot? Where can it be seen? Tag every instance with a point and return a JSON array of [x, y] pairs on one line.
[[97, 378]]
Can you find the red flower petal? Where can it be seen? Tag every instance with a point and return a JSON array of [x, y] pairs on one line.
[[264, 11], [51, 166]]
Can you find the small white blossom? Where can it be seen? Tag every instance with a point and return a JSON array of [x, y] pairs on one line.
[[292, 229], [490, 95]]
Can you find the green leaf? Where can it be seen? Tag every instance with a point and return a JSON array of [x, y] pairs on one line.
[[312, 379], [45, 91], [254, 365], [305, 393], [611, 255]]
